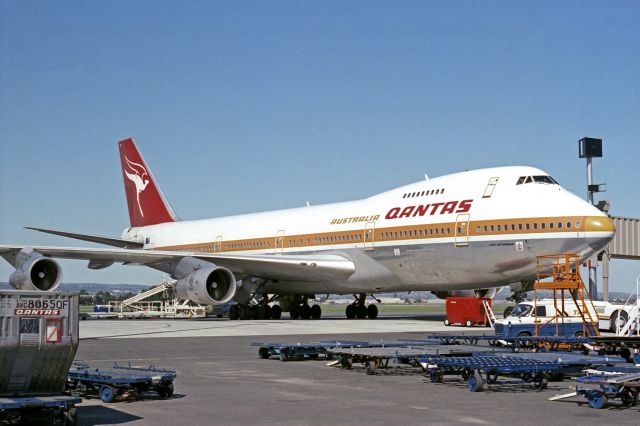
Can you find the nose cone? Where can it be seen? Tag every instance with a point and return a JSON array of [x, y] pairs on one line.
[[600, 231]]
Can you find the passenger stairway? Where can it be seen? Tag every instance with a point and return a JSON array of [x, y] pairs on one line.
[[561, 274], [151, 292], [490, 315]]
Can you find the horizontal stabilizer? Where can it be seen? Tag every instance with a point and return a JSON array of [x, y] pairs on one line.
[[115, 242]]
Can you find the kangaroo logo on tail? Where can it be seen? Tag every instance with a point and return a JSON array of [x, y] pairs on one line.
[[137, 174]]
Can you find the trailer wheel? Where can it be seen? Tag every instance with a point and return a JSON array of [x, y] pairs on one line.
[[618, 319], [264, 353], [346, 363], [629, 397], [447, 322], [165, 390], [284, 355], [475, 383], [540, 383], [597, 399], [436, 375], [370, 368], [468, 323], [107, 393], [70, 417]]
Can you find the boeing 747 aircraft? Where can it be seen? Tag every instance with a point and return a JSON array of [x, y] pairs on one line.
[[470, 231]]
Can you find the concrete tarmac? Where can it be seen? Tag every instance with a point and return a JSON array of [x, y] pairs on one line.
[[222, 381]]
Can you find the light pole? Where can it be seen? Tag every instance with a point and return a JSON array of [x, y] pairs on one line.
[[590, 148]]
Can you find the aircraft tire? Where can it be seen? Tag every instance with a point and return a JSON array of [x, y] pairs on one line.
[[276, 312], [361, 311], [305, 312], [351, 311], [295, 312], [267, 312], [244, 312], [233, 312], [316, 312], [372, 311]]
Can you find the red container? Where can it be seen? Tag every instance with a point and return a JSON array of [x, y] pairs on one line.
[[466, 310]]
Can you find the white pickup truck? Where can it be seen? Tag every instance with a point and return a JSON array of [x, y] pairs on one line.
[[521, 321]]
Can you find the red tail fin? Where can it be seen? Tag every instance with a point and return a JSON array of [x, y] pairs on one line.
[[146, 204]]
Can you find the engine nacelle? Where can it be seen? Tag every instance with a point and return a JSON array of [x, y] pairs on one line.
[[35, 272], [204, 282]]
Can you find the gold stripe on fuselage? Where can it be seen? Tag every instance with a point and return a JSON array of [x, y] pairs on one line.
[[491, 228]]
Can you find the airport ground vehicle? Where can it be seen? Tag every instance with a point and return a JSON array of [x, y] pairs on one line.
[[469, 311], [521, 320], [38, 341]]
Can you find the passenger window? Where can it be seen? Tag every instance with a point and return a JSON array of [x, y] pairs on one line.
[[544, 225], [568, 225], [535, 226], [520, 227]]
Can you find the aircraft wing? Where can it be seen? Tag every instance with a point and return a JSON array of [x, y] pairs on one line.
[[324, 267]]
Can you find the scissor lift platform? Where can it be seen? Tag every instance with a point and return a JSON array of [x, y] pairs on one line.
[[121, 381]]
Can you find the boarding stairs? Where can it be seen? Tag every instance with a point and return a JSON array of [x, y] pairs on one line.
[[561, 273], [144, 295], [490, 315], [632, 307]]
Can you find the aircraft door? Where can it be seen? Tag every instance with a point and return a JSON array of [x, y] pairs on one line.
[[369, 235], [462, 230], [217, 246], [279, 242]]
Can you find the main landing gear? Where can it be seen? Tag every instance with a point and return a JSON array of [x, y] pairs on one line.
[[357, 309], [243, 311], [304, 311]]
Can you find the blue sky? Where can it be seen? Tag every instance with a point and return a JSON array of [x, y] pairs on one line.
[[242, 106]]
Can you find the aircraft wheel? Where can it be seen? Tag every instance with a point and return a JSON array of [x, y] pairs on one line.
[[257, 312], [361, 311], [244, 312], [351, 311], [372, 311], [233, 312], [316, 312], [267, 312], [276, 312], [295, 312], [305, 312]]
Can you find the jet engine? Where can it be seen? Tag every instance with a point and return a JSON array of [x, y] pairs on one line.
[[35, 272], [204, 282]]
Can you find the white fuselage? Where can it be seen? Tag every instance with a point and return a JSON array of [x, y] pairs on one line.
[[469, 230]]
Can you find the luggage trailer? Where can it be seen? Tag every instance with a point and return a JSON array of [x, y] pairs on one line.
[[121, 381], [537, 368]]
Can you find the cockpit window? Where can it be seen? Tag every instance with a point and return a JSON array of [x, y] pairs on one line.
[[537, 179], [544, 179]]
